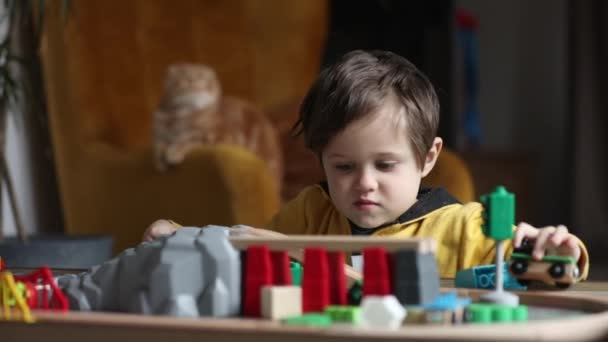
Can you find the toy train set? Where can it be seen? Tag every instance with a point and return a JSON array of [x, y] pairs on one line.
[[243, 272], [207, 272]]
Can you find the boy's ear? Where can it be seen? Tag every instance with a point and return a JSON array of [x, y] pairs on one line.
[[431, 156]]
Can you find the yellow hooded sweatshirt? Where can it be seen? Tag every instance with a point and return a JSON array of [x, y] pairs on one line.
[[456, 227]]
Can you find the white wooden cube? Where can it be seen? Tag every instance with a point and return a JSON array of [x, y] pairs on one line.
[[279, 302], [382, 312]]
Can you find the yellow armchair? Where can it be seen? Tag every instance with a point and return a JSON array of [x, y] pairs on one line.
[[106, 191], [453, 173], [103, 68]]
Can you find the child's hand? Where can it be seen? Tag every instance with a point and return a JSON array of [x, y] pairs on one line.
[[157, 229], [555, 240]]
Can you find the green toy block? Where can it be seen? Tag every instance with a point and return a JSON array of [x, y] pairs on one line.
[[502, 314], [484, 313], [479, 313], [499, 214], [296, 273], [520, 313], [312, 319], [339, 313]]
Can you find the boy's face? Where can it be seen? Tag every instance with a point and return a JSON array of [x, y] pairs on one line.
[[371, 170]]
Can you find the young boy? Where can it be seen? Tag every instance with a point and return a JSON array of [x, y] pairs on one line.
[[371, 119]]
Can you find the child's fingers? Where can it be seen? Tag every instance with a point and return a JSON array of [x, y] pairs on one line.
[[572, 242], [157, 229], [148, 235], [560, 235], [569, 246], [563, 243], [541, 241], [553, 239], [524, 230]]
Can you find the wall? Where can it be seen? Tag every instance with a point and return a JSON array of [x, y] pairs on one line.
[[523, 91]]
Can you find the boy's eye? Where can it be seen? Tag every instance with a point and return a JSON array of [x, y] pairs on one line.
[[385, 165], [344, 167]]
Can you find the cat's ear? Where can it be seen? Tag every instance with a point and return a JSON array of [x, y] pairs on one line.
[[172, 70], [176, 70]]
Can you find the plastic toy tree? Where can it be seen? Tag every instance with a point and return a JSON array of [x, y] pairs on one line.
[[499, 217], [10, 294]]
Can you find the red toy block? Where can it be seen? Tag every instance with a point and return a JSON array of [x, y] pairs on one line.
[[30, 295], [258, 273], [281, 270], [338, 291], [376, 272], [43, 277], [315, 282]]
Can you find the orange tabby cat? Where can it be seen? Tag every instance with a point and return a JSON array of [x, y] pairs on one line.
[[193, 112]]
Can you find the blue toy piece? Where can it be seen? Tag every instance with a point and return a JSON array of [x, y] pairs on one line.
[[484, 277], [447, 308], [447, 302]]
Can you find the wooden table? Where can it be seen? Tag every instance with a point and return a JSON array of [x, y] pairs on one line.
[[591, 298], [588, 288]]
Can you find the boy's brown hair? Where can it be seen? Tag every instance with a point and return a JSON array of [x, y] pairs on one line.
[[358, 85]]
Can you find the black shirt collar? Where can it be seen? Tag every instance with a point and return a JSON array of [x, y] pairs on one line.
[[429, 199]]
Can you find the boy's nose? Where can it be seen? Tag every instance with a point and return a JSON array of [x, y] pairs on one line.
[[366, 181]]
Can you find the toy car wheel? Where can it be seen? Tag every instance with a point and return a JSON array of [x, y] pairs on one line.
[[525, 247], [562, 285], [557, 270], [575, 272], [519, 266]]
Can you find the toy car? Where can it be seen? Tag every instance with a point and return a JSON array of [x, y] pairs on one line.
[[560, 271]]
